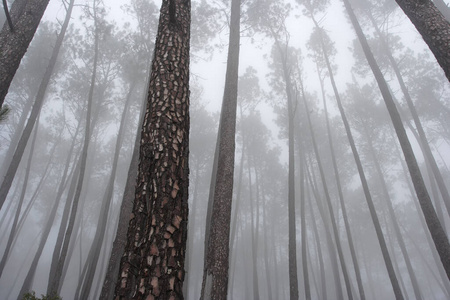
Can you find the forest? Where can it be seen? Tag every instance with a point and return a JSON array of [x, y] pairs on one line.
[[213, 149]]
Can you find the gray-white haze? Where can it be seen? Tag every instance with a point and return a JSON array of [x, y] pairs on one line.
[[262, 120]]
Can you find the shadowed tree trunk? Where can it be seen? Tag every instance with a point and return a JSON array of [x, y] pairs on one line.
[[215, 273], [153, 262], [437, 232], [433, 27], [39, 100], [25, 18]]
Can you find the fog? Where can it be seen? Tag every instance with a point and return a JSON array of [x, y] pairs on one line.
[[303, 222]]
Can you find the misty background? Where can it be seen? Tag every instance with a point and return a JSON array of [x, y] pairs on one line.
[[259, 229]]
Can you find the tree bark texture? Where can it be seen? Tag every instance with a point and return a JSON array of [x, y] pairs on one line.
[[152, 266], [433, 27], [25, 17], [215, 273], [437, 232]]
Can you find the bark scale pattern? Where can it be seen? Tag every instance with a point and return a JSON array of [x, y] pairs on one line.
[[433, 27], [152, 266], [25, 17]]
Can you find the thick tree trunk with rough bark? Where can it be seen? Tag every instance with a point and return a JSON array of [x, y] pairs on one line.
[[433, 27], [215, 274], [25, 18], [152, 266], [437, 232]]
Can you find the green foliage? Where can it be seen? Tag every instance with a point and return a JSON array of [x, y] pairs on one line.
[[32, 296]]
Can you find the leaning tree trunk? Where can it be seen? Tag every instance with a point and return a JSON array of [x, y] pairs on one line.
[[329, 204], [443, 8], [19, 207], [437, 232], [12, 168], [100, 231], [55, 282], [433, 27], [215, 274], [25, 18], [153, 262], [397, 231], [428, 154]]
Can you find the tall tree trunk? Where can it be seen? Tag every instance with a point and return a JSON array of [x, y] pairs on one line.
[[28, 282], [215, 274], [304, 237], [437, 232], [100, 231], [17, 157], [339, 186], [25, 17], [55, 282], [323, 287], [19, 207], [292, 241], [329, 204], [428, 154], [433, 27], [397, 232], [153, 262], [331, 249]]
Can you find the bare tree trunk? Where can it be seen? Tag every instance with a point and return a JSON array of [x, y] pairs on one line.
[[333, 257], [397, 232], [433, 27], [19, 207], [25, 17], [12, 168], [215, 275], [428, 154], [153, 262], [55, 283], [439, 237]]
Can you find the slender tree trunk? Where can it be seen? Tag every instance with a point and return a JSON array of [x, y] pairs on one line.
[[433, 27], [100, 231], [397, 232], [25, 17], [323, 287], [428, 154], [55, 283], [331, 249], [153, 262], [19, 207], [329, 204], [215, 274], [28, 282], [303, 232], [17, 157], [339, 187], [439, 237]]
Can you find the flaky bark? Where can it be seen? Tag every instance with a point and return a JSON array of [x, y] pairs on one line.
[[433, 27], [25, 18], [152, 266], [215, 273]]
